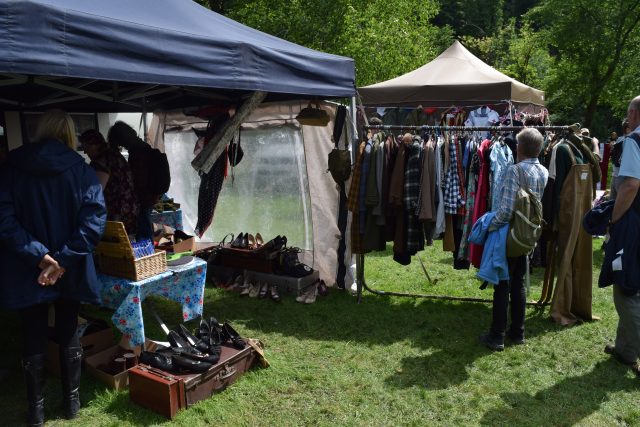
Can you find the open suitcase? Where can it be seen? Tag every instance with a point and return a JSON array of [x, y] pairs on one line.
[[167, 393]]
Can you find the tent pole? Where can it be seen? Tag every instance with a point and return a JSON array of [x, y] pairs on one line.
[[144, 117]]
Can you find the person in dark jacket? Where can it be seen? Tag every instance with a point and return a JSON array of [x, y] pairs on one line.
[[52, 215], [625, 220], [140, 161]]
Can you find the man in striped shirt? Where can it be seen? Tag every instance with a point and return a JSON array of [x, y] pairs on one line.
[[529, 147]]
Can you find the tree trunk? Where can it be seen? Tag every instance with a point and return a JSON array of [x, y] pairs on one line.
[[591, 108]]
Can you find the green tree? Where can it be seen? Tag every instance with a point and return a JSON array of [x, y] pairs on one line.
[[593, 42], [384, 38]]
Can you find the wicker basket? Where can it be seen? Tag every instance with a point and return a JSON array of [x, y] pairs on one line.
[[115, 256]]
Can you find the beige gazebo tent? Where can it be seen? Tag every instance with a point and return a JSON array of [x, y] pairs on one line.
[[456, 77]]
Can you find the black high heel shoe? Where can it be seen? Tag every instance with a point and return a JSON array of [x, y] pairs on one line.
[[190, 365], [200, 345], [157, 360], [237, 242], [231, 335]]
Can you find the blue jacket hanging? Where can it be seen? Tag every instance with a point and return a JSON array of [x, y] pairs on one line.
[[493, 266]]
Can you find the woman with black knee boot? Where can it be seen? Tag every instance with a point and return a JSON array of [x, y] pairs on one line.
[[52, 215]]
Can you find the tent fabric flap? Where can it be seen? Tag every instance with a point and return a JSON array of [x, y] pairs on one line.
[[455, 77], [173, 42]]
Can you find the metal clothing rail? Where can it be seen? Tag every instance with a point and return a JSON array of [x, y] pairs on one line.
[[467, 128], [360, 279]]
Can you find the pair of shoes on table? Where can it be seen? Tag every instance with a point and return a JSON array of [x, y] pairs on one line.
[[309, 294], [248, 241], [634, 366], [275, 244], [491, 343]]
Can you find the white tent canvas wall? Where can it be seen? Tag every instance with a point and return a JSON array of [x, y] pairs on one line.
[[281, 186], [455, 77]]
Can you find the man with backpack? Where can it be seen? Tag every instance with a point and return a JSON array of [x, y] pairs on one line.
[[522, 188], [150, 168], [623, 228]]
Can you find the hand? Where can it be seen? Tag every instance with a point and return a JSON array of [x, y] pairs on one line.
[[50, 275], [51, 271], [46, 261]]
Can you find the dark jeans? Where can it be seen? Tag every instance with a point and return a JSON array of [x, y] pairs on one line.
[[35, 326], [510, 289], [144, 228]]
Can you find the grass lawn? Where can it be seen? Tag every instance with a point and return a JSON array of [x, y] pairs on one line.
[[387, 361]]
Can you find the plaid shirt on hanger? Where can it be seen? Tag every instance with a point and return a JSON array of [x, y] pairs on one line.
[[453, 199]]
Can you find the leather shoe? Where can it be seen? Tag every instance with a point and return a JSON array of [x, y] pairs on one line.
[[157, 360], [491, 343], [191, 339], [189, 365], [231, 335], [634, 366], [237, 242]]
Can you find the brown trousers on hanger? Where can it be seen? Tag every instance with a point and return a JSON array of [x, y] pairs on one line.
[[572, 295]]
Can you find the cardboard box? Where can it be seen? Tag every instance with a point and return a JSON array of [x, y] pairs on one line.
[[91, 344], [119, 381], [188, 245]]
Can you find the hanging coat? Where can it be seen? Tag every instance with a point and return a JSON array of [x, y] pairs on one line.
[[50, 202]]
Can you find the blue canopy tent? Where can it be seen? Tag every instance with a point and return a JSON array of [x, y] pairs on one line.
[[117, 55]]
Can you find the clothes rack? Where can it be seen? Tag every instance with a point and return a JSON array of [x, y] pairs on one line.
[[360, 258]]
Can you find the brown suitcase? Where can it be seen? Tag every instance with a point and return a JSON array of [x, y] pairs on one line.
[[157, 390], [167, 393], [233, 363]]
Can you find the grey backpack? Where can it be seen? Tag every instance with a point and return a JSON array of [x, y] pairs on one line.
[[526, 225]]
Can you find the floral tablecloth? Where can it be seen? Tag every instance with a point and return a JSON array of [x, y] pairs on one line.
[[183, 284], [171, 219]]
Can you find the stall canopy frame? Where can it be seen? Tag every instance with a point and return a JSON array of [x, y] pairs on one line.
[[360, 258], [120, 55]]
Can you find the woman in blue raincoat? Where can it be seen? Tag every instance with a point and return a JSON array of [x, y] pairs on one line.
[[52, 215]]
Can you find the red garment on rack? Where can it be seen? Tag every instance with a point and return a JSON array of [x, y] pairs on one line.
[[480, 207]]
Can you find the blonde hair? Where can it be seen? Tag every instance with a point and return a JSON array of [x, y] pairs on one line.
[[58, 125]]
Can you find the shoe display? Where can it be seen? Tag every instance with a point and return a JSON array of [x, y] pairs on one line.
[[490, 342], [200, 345], [246, 289], [323, 290], [305, 293], [237, 242], [311, 296], [189, 365], [255, 290], [232, 336], [156, 360], [263, 290], [273, 293]]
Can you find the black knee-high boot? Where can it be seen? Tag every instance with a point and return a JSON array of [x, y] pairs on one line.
[[70, 361], [34, 377]]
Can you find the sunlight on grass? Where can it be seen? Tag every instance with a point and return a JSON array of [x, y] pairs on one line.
[[387, 361]]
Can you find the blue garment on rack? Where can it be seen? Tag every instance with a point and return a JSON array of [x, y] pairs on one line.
[[493, 266]]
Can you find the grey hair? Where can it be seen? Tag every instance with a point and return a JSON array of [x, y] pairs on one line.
[[635, 103], [531, 141]]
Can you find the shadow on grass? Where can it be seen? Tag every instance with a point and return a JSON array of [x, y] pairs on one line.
[[566, 402], [447, 330]]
